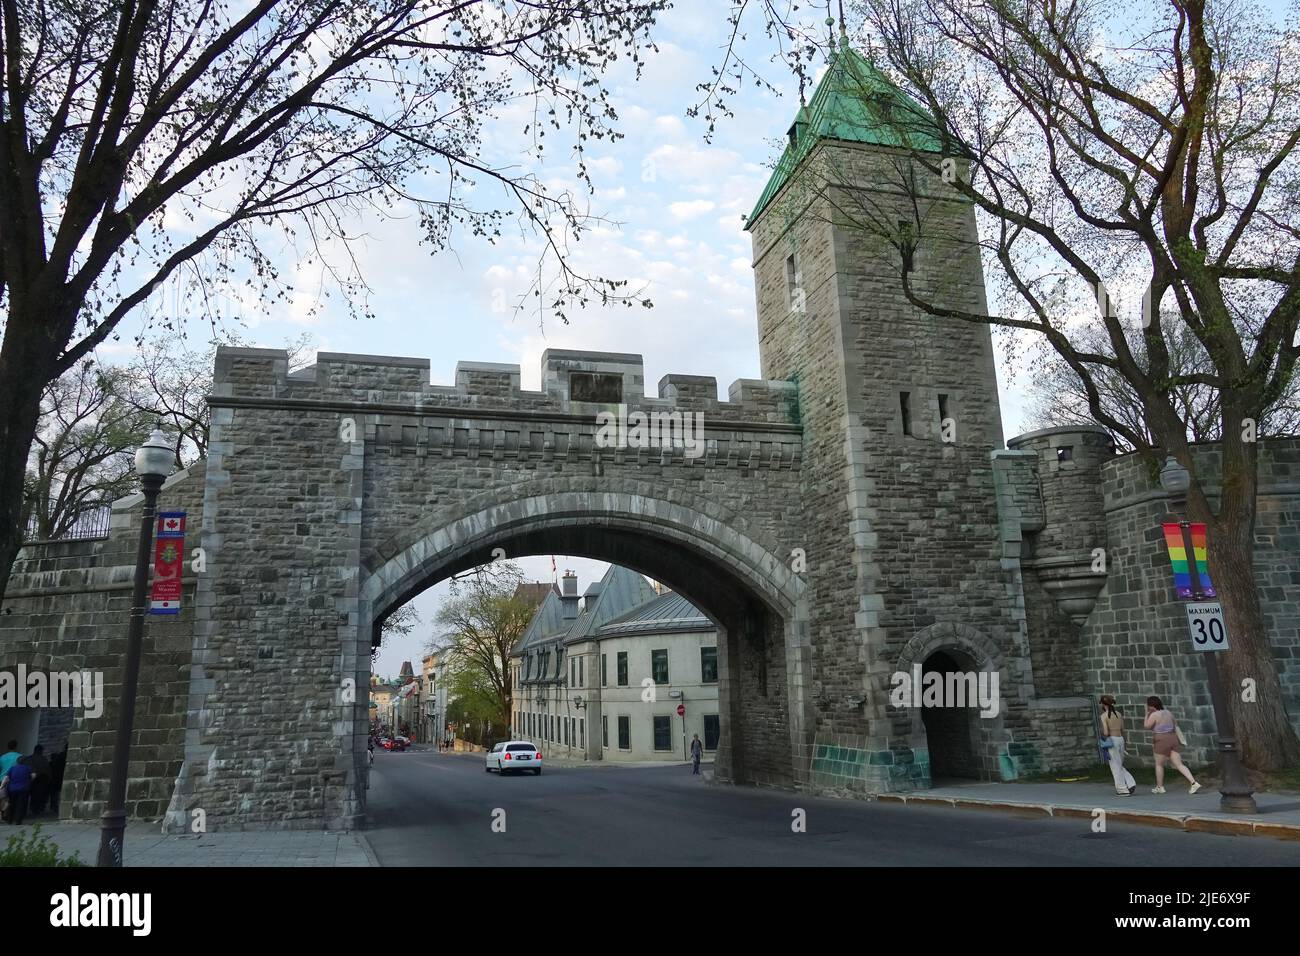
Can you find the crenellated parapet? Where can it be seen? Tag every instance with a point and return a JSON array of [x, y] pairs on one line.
[[487, 414]]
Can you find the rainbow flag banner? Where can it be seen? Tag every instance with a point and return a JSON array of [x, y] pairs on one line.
[[1178, 560]]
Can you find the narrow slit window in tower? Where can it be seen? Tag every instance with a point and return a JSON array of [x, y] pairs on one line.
[[905, 407]]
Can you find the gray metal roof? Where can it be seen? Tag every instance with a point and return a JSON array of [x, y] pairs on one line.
[[669, 612], [547, 621], [621, 590], [617, 593]]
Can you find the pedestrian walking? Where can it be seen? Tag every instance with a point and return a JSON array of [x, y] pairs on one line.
[[18, 788], [40, 789], [1112, 743], [697, 751], [10, 757], [1167, 738]]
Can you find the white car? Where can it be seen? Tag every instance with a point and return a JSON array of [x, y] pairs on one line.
[[514, 755]]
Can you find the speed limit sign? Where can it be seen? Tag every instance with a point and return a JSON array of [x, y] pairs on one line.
[[1205, 624]]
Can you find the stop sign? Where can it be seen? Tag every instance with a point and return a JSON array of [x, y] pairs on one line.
[[681, 710]]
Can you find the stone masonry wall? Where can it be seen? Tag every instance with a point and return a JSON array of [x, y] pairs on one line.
[[381, 464], [66, 609], [1135, 643]]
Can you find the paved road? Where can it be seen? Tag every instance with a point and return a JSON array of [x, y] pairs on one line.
[[431, 809]]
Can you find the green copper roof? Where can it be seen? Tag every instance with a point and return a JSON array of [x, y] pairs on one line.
[[855, 103]]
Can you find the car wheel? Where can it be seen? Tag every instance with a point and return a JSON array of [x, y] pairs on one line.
[[486, 768]]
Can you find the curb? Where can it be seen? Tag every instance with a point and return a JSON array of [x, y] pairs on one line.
[[1187, 822], [366, 848]]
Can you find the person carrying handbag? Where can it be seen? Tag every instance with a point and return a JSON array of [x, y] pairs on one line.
[[1167, 738], [1112, 743]]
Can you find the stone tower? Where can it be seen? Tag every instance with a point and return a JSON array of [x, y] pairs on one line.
[[900, 415]]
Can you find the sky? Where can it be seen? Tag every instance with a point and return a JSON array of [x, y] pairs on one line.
[[674, 204]]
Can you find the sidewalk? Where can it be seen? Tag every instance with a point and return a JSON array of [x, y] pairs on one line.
[[145, 846], [1279, 815], [626, 764]]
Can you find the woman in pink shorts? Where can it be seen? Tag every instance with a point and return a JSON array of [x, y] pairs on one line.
[[1166, 743]]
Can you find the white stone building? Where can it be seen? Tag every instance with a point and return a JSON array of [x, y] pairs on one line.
[[601, 677]]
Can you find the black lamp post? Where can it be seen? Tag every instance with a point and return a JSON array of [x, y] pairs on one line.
[[1235, 790], [153, 463]]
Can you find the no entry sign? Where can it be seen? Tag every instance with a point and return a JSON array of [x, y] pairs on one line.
[[681, 710]]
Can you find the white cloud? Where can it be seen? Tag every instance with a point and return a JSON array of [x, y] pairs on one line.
[[684, 211]]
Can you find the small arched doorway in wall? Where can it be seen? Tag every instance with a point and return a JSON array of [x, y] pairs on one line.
[[956, 743], [952, 732]]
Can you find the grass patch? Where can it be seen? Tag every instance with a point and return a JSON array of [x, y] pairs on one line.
[[35, 849]]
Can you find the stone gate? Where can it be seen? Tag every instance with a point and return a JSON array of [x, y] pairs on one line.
[[849, 516]]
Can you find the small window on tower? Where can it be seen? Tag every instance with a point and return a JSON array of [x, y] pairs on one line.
[[905, 408], [1065, 453], [943, 408], [793, 284]]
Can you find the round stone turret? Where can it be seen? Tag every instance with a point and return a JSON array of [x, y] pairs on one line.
[[1068, 554]]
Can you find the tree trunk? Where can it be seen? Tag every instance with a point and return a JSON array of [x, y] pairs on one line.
[[26, 363], [1267, 739]]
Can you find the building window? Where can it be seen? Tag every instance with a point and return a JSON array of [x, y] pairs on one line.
[[712, 730], [622, 668], [573, 675], [582, 676], [604, 732], [566, 733], [659, 666], [905, 408], [708, 665], [603, 669], [1065, 453], [943, 409], [663, 733], [625, 733], [582, 733]]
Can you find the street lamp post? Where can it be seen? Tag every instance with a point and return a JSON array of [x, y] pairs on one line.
[[1235, 792], [153, 462]]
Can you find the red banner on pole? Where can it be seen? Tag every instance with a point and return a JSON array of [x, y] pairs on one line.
[[168, 563]]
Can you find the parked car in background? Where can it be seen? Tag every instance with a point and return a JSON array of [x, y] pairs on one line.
[[394, 743], [514, 755]]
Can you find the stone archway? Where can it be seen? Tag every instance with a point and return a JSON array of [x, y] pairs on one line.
[[697, 548], [958, 743]]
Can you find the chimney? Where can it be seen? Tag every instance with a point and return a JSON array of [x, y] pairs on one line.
[[569, 595]]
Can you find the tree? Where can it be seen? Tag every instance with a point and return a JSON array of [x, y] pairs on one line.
[[1057, 396], [171, 380], [401, 622], [82, 456], [474, 705], [482, 620], [269, 121], [1119, 153]]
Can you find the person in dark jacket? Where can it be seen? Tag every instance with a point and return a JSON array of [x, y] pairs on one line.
[[57, 764], [697, 751], [40, 765]]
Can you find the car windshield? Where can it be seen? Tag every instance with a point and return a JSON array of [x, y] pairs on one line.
[[514, 747]]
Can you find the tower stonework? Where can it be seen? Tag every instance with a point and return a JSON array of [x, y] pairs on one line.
[[900, 415]]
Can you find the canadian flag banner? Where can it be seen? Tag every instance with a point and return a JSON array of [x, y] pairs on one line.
[[168, 563]]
